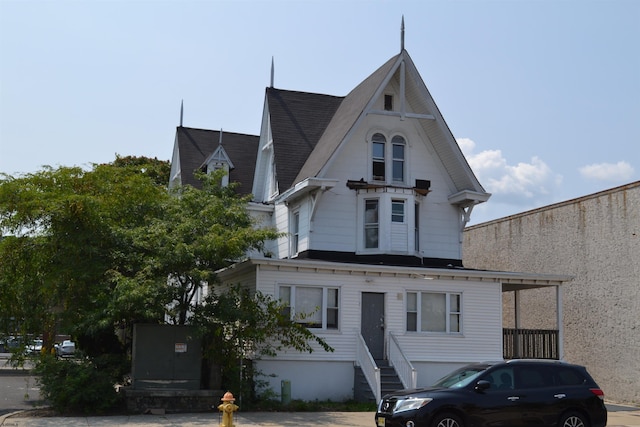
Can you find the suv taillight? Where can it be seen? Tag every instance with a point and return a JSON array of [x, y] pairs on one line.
[[597, 392]]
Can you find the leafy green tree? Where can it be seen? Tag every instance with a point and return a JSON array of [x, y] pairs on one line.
[[240, 327], [86, 251], [199, 232], [66, 251]]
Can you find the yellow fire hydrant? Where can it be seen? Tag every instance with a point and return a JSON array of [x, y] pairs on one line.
[[227, 407]]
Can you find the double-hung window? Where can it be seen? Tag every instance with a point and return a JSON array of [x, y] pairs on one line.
[[397, 211], [312, 306], [295, 232], [388, 161], [434, 312], [398, 153], [378, 148], [371, 223]]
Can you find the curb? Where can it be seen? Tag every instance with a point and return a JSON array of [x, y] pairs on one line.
[[9, 415]]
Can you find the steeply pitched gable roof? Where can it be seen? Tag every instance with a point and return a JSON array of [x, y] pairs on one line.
[[361, 98], [298, 120], [344, 120], [196, 145]]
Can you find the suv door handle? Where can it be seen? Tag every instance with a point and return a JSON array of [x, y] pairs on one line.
[[560, 396], [513, 398]]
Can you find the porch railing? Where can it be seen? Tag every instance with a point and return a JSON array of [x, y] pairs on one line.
[[369, 368], [530, 343], [405, 370]]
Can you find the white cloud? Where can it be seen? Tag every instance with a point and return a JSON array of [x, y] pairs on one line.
[[466, 145], [621, 171], [525, 184]]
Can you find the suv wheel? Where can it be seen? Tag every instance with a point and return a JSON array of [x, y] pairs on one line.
[[573, 419], [447, 420]]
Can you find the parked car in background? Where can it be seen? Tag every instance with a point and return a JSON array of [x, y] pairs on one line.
[[65, 349], [35, 347], [512, 393]]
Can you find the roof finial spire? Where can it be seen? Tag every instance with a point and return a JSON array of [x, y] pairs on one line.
[[220, 139], [272, 72], [402, 35], [181, 111]]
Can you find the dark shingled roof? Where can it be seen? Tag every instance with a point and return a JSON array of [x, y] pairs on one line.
[[342, 120], [196, 145], [298, 120]]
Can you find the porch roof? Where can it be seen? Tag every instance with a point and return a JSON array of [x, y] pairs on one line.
[[511, 281]]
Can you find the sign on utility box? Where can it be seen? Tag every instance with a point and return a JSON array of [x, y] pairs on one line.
[[165, 357]]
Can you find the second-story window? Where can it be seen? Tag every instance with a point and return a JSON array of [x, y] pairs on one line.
[[397, 211], [371, 223], [378, 148], [295, 232], [416, 226]]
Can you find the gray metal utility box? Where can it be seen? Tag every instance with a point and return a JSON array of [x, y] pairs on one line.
[[165, 357]]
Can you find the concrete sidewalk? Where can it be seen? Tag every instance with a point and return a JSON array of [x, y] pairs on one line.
[[249, 419], [619, 416]]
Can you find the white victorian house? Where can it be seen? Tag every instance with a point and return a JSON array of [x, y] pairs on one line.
[[373, 194]]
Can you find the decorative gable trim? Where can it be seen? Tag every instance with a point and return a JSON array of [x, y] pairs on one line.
[[361, 101], [219, 158]]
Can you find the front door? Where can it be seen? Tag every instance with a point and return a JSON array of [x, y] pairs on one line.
[[372, 323]]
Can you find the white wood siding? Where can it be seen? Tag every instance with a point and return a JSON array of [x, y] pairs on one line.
[[400, 237], [336, 220], [481, 337], [310, 380]]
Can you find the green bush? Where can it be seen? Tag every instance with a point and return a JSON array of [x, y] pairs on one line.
[[77, 386]]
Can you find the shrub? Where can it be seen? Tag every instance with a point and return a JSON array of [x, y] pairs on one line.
[[76, 385]]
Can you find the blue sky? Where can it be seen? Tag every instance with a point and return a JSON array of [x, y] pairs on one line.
[[543, 96]]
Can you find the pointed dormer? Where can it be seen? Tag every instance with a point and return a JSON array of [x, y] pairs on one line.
[[219, 159]]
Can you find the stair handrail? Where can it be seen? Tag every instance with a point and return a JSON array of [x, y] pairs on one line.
[[401, 363], [371, 371]]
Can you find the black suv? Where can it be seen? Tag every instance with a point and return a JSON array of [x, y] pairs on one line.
[[511, 394]]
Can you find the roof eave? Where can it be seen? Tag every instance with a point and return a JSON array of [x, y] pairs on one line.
[[510, 281], [468, 197], [304, 187]]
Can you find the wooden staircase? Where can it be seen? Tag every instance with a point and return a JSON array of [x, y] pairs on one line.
[[389, 382]]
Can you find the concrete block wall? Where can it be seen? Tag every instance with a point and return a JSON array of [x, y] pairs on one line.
[[596, 239]]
